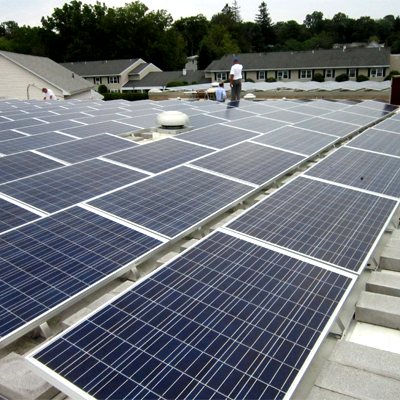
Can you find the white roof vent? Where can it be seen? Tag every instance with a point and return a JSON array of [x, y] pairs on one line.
[[172, 119], [249, 96], [215, 84]]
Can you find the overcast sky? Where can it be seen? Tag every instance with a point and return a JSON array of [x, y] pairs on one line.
[[30, 12]]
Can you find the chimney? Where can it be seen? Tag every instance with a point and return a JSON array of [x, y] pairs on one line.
[[184, 71]]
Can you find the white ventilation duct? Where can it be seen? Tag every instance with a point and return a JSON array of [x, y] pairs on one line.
[[172, 119]]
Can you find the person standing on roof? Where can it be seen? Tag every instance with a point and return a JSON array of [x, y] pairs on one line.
[[220, 93], [48, 94], [236, 80]]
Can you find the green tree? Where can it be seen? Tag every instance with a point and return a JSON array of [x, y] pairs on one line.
[[263, 20], [315, 22]]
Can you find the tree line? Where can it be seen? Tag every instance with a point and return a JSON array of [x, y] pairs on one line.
[[84, 32]]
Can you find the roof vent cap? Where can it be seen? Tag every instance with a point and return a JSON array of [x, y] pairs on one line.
[[172, 119]]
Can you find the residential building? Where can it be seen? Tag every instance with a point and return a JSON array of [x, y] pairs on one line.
[[114, 74], [374, 63], [23, 77]]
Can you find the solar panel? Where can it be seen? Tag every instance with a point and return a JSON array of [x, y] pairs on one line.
[[309, 109], [84, 149], [54, 190], [54, 126], [200, 121], [327, 222], [257, 124], [50, 261], [218, 136], [33, 142], [369, 112], [329, 127], [329, 105], [19, 124], [9, 134], [58, 118], [379, 105], [25, 164], [250, 162], [231, 113], [350, 118], [12, 216], [112, 127], [390, 124], [290, 117], [361, 169], [175, 201], [228, 319], [281, 104], [159, 156], [141, 122], [297, 140], [379, 141], [258, 108]]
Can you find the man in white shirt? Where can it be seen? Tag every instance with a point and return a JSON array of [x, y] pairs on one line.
[[220, 93], [236, 80], [48, 94]]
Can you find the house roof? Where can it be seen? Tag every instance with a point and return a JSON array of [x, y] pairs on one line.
[[354, 57], [139, 69], [50, 71], [100, 68], [160, 79]]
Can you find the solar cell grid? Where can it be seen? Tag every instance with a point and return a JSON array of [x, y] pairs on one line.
[[296, 139], [288, 116], [232, 113], [49, 261], [218, 136], [328, 127], [200, 121], [53, 126], [250, 162], [19, 124], [20, 165], [390, 124], [33, 142], [327, 222], [258, 124], [350, 118], [377, 140], [54, 190], [173, 202], [361, 169], [329, 105], [85, 149], [12, 216], [112, 127], [9, 134], [379, 105], [159, 156], [227, 319], [73, 115], [369, 112]]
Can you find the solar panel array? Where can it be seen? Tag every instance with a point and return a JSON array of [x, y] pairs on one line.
[[220, 281]]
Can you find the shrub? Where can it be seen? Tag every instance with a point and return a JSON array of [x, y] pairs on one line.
[[362, 78], [249, 80], [270, 80], [102, 89], [342, 78], [177, 83], [391, 73], [318, 77], [126, 96], [194, 83]]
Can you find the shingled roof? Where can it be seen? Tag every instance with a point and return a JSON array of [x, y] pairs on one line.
[[100, 68], [350, 58], [160, 79], [50, 71]]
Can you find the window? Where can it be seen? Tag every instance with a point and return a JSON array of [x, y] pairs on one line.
[[261, 75], [329, 73], [283, 75], [376, 72], [221, 76], [113, 79], [306, 74], [114, 91], [352, 73], [97, 81]]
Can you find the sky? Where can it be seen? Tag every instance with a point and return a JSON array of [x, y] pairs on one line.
[[30, 12]]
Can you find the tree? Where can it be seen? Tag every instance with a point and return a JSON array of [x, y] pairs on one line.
[[315, 22], [263, 20], [236, 11]]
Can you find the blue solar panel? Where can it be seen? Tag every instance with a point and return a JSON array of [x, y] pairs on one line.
[[218, 136], [173, 202], [112, 127], [33, 142], [9, 134], [54, 190], [84, 149], [288, 116], [297, 140], [6, 125], [350, 118], [25, 164], [250, 162], [49, 261], [159, 156], [329, 127], [361, 169], [226, 320], [327, 222], [54, 126], [390, 124], [258, 124], [379, 141], [12, 216]]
